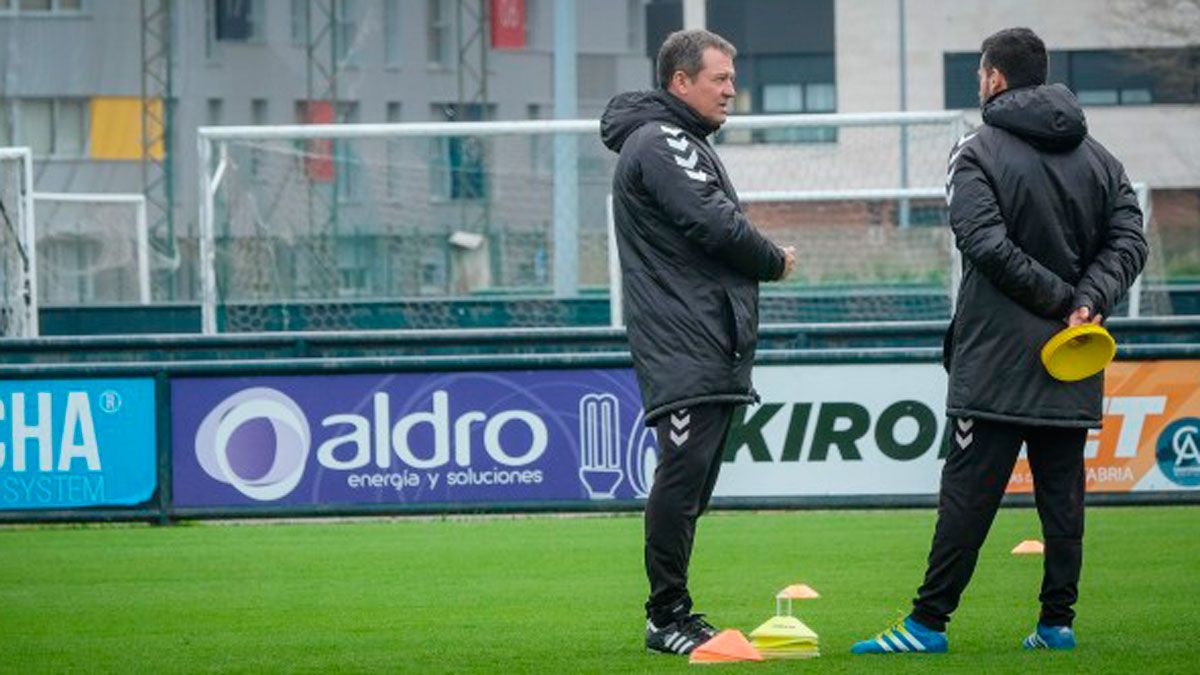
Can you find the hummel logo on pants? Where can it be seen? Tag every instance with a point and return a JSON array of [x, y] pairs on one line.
[[692, 443]]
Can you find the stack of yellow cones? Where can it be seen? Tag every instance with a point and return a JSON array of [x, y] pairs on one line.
[[784, 636]]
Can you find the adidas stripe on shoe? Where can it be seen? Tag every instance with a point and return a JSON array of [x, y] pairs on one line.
[[906, 636], [679, 637], [1050, 637]]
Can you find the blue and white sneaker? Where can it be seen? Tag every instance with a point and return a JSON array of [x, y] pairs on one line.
[[906, 636], [1050, 637]]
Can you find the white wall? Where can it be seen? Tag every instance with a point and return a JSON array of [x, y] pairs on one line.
[[1159, 145]]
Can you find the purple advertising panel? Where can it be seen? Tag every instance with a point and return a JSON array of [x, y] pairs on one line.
[[520, 436]]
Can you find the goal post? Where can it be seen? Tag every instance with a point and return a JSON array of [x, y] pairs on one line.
[[18, 247], [93, 248]]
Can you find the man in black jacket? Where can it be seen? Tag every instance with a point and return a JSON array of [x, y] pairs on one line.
[[690, 265], [1051, 235]]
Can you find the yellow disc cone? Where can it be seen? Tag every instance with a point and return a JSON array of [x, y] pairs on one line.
[[1078, 352]]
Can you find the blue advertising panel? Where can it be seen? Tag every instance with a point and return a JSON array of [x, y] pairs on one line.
[[497, 437], [76, 443]]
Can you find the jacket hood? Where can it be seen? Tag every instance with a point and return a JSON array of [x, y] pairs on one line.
[[1047, 117], [625, 113]]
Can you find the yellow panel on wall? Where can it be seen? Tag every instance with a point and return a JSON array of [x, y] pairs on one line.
[[117, 127]]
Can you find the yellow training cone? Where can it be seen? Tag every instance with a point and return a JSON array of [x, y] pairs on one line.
[[1029, 547], [785, 637], [1078, 352]]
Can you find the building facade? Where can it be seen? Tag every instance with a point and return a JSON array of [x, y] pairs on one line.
[[71, 78]]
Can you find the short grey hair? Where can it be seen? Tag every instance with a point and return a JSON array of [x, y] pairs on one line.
[[684, 50]]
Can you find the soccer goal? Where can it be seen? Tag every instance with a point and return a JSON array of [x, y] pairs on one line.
[[860, 196], [310, 224], [18, 301], [92, 248]]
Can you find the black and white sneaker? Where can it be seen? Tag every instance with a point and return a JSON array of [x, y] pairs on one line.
[[679, 637]]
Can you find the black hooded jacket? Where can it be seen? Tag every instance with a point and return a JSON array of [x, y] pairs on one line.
[[1047, 222], [690, 260]]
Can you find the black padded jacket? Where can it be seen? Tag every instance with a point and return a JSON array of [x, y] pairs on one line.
[[1046, 221], [690, 260]]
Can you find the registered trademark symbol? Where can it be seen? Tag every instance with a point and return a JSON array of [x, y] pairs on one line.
[[110, 401]]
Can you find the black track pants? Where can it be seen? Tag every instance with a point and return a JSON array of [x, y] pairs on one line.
[[692, 441], [976, 473]]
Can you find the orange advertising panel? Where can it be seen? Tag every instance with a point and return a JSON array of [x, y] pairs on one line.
[[1151, 434]]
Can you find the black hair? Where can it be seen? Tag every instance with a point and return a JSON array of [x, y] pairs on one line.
[[1018, 53]]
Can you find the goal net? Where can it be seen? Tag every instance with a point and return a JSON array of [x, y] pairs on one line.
[[862, 199], [312, 227], [315, 227], [92, 248], [18, 295]]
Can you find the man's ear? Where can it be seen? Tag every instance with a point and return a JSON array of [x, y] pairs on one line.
[[680, 80], [997, 79]]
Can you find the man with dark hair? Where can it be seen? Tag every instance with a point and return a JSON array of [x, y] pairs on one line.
[[1051, 235], [690, 265]]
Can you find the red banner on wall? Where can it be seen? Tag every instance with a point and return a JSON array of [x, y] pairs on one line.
[[318, 160], [508, 24]]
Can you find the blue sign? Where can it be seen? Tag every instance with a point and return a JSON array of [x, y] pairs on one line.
[[1178, 452], [518, 436], [76, 443]]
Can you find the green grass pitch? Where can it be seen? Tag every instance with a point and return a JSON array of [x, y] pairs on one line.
[[564, 595]]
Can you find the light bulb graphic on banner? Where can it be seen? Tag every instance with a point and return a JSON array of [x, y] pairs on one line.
[[599, 445]]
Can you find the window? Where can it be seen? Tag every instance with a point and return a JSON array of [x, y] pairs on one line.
[[634, 20], [299, 22], [531, 10], [458, 163], [439, 33], [785, 84], [961, 79], [258, 111], [69, 135], [215, 112], [41, 6], [50, 127], [393, 28], [1131, 77], [349, 169], [37, 125], [1098, 77], [353, 265], [541, 146], [258, 116], [346, 22], [239, 20], [395, 149], [796, 96], [820, 97], [782, 98]]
